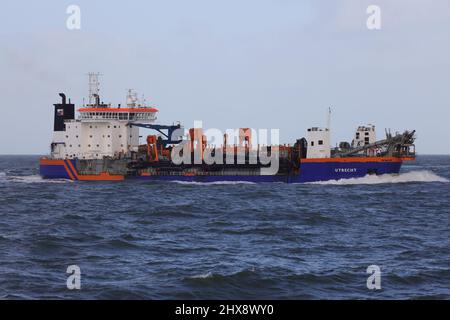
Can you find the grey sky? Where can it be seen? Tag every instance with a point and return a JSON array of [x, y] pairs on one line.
[[260, 64]]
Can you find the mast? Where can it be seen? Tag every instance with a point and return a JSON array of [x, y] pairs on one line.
[[94, 88], [329, 118]]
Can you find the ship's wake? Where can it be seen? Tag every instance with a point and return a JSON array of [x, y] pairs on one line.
[[412, 176], [28, 179]]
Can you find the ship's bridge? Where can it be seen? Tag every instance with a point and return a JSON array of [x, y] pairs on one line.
[[141, 114]]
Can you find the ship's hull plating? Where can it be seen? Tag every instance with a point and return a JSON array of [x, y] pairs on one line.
[[311, 170], [57, 169]]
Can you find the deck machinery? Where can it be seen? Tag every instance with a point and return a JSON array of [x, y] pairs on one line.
[[103, 143]]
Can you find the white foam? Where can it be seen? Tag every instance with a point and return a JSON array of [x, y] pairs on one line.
[[412, 176], [3, 176], [33, 179], [202, 276]]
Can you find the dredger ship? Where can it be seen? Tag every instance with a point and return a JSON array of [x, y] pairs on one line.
[[103, 144]]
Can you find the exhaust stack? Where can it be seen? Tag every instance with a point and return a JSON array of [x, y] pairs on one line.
[[63, 111]]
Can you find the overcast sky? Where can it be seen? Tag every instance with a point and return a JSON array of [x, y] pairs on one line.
[[261, 64]]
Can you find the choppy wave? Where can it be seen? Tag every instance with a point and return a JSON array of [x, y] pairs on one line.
[[412, 176], [160, 240], [202, 276], [239, 275]]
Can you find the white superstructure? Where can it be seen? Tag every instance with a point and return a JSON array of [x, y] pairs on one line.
[[102, 130], [364, 135], [318, 143]]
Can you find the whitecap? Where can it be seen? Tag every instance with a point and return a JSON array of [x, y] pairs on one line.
[[202, 276], [33, 179], [412, 176]]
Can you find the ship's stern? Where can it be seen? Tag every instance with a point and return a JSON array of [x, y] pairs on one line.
[[57, 168]]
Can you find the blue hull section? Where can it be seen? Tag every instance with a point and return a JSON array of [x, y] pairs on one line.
[[323, 171], [59, 169], [310, 171], [207, 179]]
